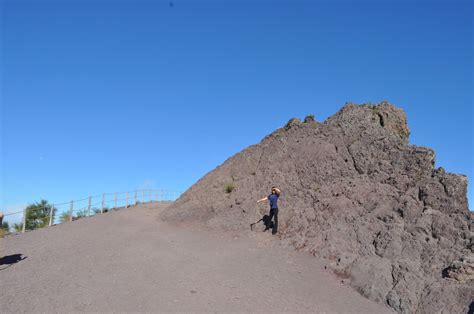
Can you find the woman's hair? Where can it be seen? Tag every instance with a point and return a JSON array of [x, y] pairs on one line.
[[276, 190]]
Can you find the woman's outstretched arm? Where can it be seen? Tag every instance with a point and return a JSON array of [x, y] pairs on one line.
[[262, 200]]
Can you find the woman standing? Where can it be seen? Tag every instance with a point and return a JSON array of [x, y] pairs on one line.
[[273, 199]]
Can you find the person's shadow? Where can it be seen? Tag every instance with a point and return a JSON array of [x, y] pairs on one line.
[[11, 259]]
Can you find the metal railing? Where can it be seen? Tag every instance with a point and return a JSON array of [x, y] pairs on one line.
[[89, 206]]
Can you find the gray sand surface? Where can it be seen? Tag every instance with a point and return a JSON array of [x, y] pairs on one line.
[[129, 260]]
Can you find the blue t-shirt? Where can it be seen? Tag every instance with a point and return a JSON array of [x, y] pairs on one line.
[[273, 198]]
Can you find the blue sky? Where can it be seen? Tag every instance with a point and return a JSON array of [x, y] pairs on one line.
[[103, 96]]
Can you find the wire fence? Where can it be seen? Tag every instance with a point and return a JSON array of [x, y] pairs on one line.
[[45, 215]]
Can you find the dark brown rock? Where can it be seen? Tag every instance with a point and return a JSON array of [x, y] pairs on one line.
[[357, 194]]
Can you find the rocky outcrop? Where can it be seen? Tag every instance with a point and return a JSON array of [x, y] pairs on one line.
[[357, 194], [461, 270]]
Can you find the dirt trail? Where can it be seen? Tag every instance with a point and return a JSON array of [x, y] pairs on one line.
[[129, 260]]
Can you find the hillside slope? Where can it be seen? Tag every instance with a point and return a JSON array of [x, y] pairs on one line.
[[129, 261], [357, 194]]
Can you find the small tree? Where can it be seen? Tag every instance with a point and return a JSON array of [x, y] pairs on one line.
[[37, 214]]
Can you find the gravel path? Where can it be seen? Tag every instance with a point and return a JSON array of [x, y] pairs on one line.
[[129, 260]]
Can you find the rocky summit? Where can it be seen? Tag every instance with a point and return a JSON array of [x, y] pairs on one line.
[[356, 193]]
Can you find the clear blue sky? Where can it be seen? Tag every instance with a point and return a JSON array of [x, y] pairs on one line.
[[117, 95]]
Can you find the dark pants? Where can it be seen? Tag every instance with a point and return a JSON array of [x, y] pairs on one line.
[[274, 213]]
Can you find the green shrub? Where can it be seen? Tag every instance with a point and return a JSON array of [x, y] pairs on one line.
[[64, 217], [5, 226], [82, 213], [309, 118], [18, 227], [4, 229], [229, 187], [97, 210]]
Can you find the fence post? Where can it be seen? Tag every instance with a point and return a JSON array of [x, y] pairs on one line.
[[115, 200], [149, 192], [135, 197], [143, 196], [70, 210], [23, 228], [89, 206], [126, 200], [102, 206], [51, 212], [157, 199]]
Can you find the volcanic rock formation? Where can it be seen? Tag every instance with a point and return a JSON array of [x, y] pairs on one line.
[[357, 194]]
